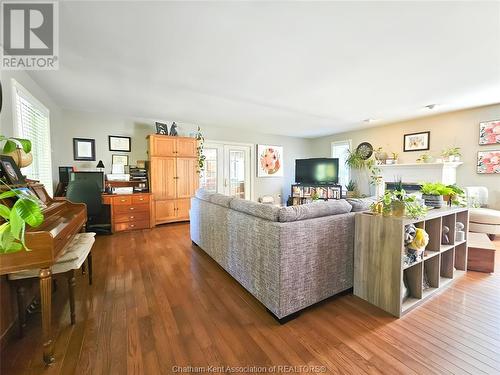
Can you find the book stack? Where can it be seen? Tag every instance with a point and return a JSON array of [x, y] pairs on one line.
[[140, 177]]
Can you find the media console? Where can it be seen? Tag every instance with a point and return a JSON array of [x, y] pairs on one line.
[[307, 193]]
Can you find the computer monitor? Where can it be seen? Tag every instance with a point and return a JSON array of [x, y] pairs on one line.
[[64, 174], [97, 177]]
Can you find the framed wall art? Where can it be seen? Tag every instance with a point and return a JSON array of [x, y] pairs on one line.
[[119, 143], [417, 141], [270, 161], [10, 170], [488, 162], [119, 159], [83, 149], [489, 132]]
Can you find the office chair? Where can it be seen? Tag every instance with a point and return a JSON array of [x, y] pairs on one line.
[[88, 192]]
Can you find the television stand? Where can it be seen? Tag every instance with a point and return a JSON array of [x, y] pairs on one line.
[[307, 193]]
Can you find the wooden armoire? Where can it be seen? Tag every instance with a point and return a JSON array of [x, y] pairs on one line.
[[173, 176]]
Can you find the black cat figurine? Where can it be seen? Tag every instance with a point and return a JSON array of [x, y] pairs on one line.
[[173, 129]]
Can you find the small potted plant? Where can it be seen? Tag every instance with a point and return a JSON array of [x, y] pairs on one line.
[[425, 158], [451, 154], [398, 199], [352, 188], [432, 194]]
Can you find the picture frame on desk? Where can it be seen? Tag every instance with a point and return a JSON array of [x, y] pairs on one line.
[[83, 149], [10, 170], [119, 143]]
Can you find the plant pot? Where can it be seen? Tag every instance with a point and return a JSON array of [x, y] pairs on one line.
[[381, 156], [398, 208], [21, 158], [435, 201], [351, 194]]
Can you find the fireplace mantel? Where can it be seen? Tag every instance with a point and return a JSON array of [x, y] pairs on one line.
[[445, 173]]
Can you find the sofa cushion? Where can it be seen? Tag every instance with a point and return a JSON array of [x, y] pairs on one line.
[[484, 216], [221, 199], [312, 210], [264, 211], [361, 204], [203, 194]]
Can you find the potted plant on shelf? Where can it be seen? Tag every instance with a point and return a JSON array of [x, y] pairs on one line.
[[26, 211], [433, 193], [424, 158], [451, 154], [406, 205], [352, 188]]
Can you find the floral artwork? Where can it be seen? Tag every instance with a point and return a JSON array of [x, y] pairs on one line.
[[488, 162], [270, 161], [416, 141], [489, 132]]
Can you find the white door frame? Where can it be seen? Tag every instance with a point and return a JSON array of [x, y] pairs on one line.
[[221, 150]]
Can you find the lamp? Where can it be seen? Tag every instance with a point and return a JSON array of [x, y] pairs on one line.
[[100, 165]]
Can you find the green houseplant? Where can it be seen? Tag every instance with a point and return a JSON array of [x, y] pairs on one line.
[[351, 189], [24, 212], [451, 154], [17, 148], [407, 205], [199, 151], [433, 192]]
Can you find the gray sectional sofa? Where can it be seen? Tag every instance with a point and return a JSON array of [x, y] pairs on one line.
[[288, 258]]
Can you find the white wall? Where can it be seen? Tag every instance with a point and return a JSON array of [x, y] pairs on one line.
[[459, 129], [77, 124]]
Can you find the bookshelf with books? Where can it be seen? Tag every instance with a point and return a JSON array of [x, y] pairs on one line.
[[307, 193]]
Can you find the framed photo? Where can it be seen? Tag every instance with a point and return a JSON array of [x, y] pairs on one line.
[[161, 128], [270, 161], [489, 132], [417, 141], [10, 170], [119, 159], [119, 143], [488, 162], [83, 149]]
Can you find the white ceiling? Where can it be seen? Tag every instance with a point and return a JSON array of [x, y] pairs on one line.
[[301, 69]]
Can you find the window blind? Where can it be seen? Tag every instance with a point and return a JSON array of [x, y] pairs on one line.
[[32, 122], [340, 150]]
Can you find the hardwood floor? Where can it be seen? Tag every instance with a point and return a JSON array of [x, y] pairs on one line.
[[159, 302]]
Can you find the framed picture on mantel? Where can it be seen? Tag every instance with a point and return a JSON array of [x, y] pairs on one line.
[[417, 141]]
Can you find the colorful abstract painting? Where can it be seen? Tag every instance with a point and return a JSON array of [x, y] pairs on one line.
[[270, 161], [489, 132], [488, 162]]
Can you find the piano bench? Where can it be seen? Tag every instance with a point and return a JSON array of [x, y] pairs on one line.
[[78, 250]]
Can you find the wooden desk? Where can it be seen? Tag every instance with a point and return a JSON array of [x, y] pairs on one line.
[[129, 211]]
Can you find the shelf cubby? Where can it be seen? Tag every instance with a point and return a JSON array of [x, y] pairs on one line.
[[461, 256], [379, 271]]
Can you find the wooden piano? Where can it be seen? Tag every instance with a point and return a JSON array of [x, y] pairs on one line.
[[62, 220]]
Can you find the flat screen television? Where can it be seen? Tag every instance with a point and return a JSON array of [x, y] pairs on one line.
[[317, 171]]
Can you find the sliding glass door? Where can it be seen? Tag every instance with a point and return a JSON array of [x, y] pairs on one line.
[[227, 169]]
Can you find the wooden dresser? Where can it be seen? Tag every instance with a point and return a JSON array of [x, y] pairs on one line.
[[129, 211], [173, 176]]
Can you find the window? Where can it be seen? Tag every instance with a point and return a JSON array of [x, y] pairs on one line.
[[339, 150], [31, 121]]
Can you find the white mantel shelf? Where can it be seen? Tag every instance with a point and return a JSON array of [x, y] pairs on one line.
[[416, 173], [405, 165]]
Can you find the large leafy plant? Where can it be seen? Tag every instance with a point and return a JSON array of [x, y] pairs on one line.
[[12, 143], [25, 211], [199, 151], [435, 188]]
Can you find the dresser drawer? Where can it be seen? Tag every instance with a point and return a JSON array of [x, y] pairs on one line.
[[130, 208], [122, 201], [142, 224], [138, 199], [131, 216]]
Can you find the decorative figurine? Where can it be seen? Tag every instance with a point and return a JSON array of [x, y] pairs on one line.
[[410, 231], [459, 232], [173, 129], [417, 246], [445, 240]]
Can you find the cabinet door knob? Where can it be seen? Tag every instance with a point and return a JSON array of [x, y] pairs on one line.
[[132, 225], [131, 217], [132, 208]]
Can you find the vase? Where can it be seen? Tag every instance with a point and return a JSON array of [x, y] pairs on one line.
[[435, 201], [398, 208], [351, 194]]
